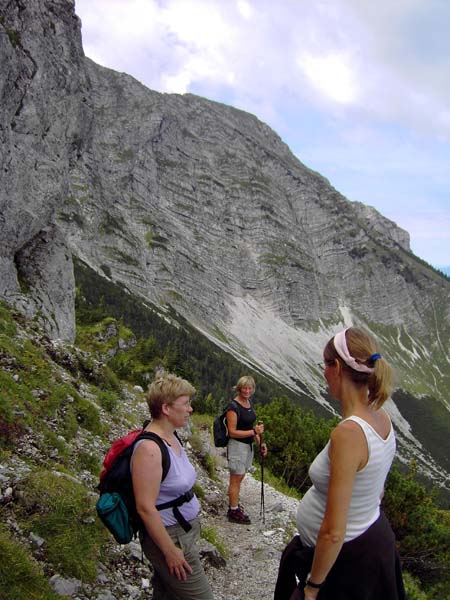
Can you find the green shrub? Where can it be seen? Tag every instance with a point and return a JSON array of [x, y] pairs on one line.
[[294, 437], [60, 511], [202, 421], [421, 529], [412, 588], [20, 576], [14, 417], [88, 461], [52, 443], [209, 463], [69, 426], [107, 379], [14, 36], [199, 491], [196, 442], [207, 460], [210, 535], [108, 400], [87, 415], [7, 325]]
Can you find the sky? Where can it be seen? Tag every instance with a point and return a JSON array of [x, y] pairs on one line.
[[358, 89]]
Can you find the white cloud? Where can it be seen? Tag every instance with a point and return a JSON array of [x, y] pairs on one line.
[[331, 75], [245, 9], [198, 23]]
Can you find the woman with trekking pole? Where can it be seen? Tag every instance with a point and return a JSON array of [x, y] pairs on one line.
[[242, 432], [345, 547]]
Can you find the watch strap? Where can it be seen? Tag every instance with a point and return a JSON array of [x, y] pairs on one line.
[[313, 584]]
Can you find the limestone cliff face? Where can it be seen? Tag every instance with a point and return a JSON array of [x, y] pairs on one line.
[[195, 204], [198, 205], [42, 128]]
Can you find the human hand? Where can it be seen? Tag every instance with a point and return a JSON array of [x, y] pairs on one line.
[[178, 566], [263, 449], [297, 594], [311, 593], [259, 428]]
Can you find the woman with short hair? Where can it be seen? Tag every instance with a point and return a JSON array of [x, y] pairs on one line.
[[170, 537], [242, 432]]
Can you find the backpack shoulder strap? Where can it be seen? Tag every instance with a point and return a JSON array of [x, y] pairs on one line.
[[235, 405], [150, 435]]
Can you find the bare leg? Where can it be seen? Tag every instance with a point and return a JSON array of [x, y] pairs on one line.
[[234, 489]]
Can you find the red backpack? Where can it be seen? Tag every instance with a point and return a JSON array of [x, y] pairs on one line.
[[116, 506]]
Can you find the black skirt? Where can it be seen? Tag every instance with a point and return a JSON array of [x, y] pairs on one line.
[[367, 568]]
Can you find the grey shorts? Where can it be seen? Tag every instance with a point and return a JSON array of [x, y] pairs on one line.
[[240, 457]]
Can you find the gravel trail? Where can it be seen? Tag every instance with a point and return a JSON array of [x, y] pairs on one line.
[[254, 550]]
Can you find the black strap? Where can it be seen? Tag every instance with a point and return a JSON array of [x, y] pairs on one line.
[[165, 456], [177, 501], [186, 497], [181, 520]]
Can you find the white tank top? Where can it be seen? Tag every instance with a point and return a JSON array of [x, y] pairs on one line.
[[368, 486]]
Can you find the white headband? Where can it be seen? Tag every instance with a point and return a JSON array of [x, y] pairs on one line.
[[340, 344]]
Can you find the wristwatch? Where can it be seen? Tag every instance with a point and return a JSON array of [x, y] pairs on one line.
[[312, 584]]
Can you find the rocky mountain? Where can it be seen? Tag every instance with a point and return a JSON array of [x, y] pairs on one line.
[[196, 205]]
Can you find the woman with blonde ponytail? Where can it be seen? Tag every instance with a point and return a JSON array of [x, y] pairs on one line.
[[345, 547]]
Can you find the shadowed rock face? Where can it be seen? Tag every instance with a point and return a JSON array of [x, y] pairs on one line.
[[42, 127]]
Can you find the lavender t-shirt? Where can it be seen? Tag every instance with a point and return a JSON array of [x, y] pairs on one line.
[[179, 479]]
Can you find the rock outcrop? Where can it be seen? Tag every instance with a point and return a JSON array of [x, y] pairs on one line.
[[42, 131]]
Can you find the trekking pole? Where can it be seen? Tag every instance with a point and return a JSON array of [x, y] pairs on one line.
[[262, 511]]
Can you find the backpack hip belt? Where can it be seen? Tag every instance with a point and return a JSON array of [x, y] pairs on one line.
[[186, 497]]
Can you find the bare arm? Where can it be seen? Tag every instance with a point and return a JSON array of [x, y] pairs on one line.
[[147, 474], [348, 451]]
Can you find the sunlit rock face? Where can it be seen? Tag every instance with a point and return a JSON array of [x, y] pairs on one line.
[[186, 201], [197, 204], [176, 194]]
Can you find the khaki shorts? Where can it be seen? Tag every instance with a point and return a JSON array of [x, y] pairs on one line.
[[240, 457]]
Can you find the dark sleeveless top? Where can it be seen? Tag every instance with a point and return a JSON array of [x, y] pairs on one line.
[[246, 418]]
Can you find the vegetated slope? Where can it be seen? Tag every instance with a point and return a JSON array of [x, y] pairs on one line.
[[175, 342], [60, 406], [422, 423]]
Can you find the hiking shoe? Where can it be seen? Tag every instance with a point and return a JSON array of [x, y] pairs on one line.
[[238, 516]]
